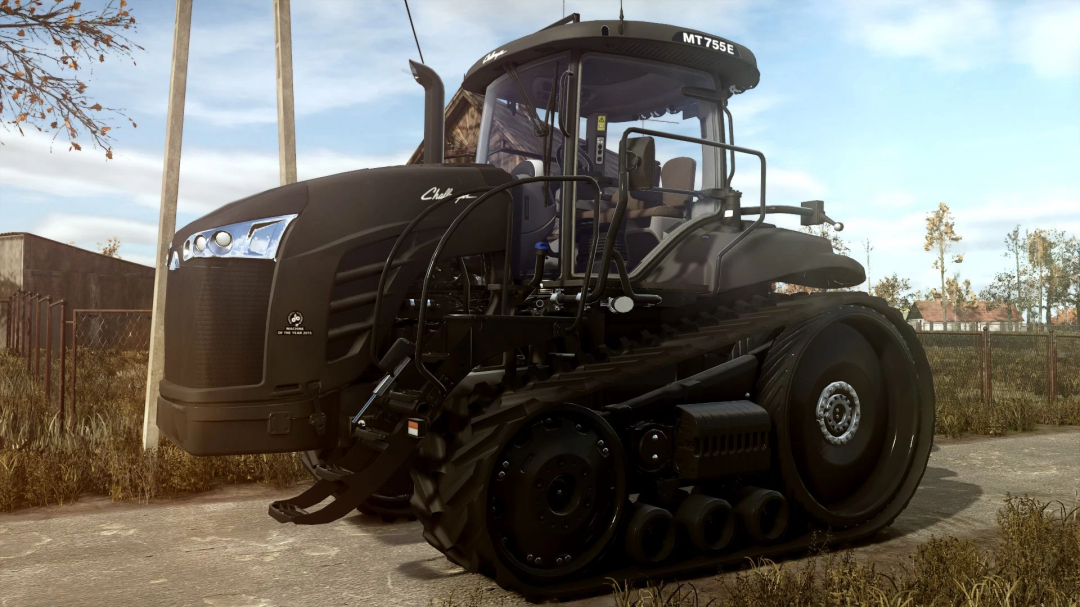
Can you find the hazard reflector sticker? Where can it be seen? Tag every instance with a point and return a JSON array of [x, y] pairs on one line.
[[414, 428]]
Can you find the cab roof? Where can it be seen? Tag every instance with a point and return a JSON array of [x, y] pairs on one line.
[[733, 63]]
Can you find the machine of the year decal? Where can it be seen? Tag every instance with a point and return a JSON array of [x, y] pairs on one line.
[[565, 359]]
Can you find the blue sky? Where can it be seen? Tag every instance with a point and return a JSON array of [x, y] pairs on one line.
[[880, 108]]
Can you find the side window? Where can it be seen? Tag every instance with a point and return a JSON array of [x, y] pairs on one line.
[[520, 133], [619, 93]]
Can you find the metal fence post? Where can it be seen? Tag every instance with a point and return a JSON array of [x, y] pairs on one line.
[[37, 335], [48, 349], [1051, 367], [988, 368], [74, 358], [63, 350]]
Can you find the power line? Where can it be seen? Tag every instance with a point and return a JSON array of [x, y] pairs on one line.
[[409, 13]]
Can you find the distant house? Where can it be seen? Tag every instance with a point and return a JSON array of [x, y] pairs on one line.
[[927, 316]]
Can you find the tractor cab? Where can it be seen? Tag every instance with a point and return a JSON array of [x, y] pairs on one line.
[[589, 82]]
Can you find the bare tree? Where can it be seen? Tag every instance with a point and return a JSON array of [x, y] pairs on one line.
[[940, 237], [1002, 292], [1072, 271], [896, 291], [868, 247], [111, 248], [42, 51]]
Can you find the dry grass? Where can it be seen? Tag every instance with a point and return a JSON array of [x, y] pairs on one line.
[[1036, 561], [1020, 400], [101, 450]]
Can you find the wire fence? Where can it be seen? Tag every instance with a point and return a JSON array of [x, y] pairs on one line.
[[103, 332], [996, 366], [39, 330]]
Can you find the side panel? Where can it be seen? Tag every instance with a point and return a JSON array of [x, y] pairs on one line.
[[768, 254]]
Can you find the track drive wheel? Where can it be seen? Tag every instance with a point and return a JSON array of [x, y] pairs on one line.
[[390, 502], [544, 503], [842, 391]]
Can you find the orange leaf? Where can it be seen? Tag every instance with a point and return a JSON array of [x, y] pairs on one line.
[[105, 129], [70, 19], [108, 154], [20, 33], [53, 125], [101, 58], [76, 6], [123, 3], [96, 107], [19, 74], [76, 146]]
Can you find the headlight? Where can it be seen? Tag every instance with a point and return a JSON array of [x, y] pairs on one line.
[[256, 239]]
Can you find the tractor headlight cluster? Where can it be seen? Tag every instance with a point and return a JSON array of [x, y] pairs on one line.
[[255, 239]]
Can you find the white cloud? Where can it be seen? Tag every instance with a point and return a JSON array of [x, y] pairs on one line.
[[208, 178], [96, 228], [966, 34], [1048, 35]]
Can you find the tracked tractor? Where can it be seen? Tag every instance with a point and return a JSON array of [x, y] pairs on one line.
[[566, 359]]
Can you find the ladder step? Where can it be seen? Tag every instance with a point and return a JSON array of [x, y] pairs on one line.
[[329, 472], [285, 512]]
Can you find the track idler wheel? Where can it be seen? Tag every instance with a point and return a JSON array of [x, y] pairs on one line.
[[556, 494], [708, 522], [650, 536], [764, 514], [843, 392]]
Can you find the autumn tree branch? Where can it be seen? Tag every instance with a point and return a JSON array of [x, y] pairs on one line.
[[40, 55]]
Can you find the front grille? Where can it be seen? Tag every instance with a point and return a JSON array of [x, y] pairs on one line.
[[215, 322], [352, 299]]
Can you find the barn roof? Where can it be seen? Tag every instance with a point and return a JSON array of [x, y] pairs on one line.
[[931, 310]]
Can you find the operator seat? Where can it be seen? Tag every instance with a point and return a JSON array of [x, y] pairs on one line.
[[646, 228]]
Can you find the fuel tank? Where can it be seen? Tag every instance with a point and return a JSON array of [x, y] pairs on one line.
[[256, 350]]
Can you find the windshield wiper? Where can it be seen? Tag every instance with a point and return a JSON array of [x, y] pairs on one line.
[[538, 126]]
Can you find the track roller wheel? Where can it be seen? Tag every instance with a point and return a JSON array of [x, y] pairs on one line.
[[708, 522], [556, 494], [764, 514], [650, 535], [843, 392], [390, 502]]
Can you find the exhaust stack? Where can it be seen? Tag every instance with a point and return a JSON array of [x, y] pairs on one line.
[[434, 119]]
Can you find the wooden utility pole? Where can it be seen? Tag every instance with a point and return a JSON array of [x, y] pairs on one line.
[[286, 116], [170, 185]]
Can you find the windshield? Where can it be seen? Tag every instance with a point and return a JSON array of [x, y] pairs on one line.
[[515, 117], [618, 93]]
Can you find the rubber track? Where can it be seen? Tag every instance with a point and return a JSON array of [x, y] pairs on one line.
[[451, 473], [772, 390]]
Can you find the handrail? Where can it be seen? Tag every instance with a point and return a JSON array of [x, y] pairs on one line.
[[421, 317], [388, 265], [675, 238]]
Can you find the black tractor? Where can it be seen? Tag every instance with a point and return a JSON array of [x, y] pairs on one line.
[[567, 361]]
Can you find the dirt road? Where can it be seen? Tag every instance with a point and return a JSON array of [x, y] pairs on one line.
[[220, 549]]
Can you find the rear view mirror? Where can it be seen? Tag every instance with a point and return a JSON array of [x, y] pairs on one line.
[[640, 165]]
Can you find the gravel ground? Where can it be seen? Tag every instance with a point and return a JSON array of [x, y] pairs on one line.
[[221, 549]]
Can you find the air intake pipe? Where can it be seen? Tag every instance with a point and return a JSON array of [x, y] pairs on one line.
[[434, 118]]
